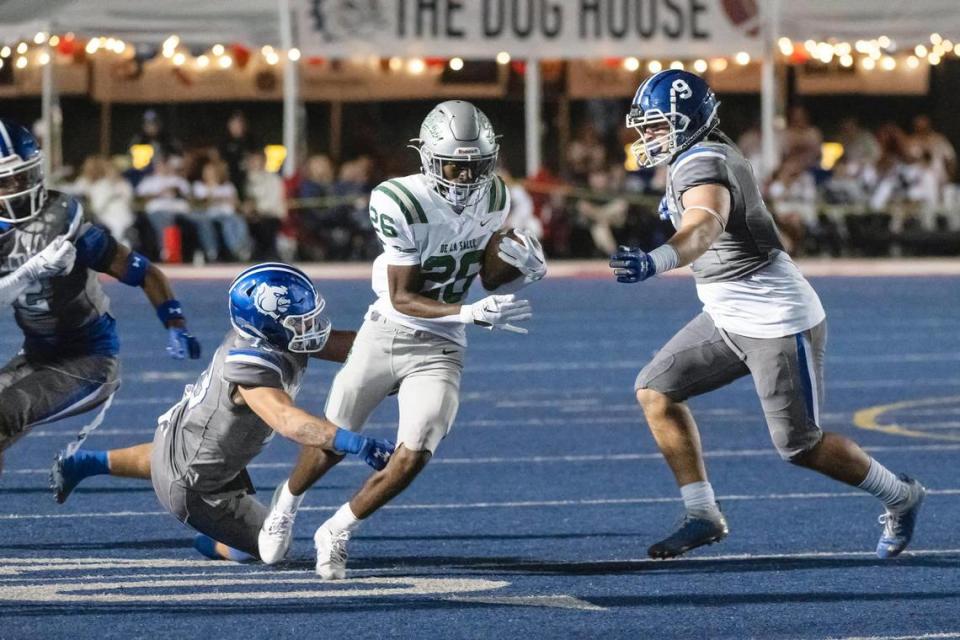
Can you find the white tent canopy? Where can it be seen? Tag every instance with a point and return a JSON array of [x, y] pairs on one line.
[[150, 21], [258, 22]]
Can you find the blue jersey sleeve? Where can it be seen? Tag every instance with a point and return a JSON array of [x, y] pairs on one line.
[[96, 248]]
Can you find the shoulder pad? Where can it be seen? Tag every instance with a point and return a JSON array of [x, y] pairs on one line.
[[404, 198]]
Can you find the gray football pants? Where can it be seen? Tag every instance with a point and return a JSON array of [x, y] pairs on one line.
[[787, 374]]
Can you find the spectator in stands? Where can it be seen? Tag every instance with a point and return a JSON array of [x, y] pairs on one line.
[[887, 179], [926, 142], [165, 196], [108, 196], [521, 214], [750, 144], [585, 154], [860, 147], [352, 227], [235, 149], [153, 133], [315, 213], [602, 211], [793, 195], [264, 207], [217, 201], [801, 140]]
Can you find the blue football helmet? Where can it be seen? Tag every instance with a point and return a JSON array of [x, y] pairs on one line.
[[278, 303], [672, 111], [22, 192]]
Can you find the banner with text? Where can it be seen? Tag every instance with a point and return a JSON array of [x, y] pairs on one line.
[[529, 28]]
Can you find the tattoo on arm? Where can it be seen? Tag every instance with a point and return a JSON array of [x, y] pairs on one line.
[[313, 434]]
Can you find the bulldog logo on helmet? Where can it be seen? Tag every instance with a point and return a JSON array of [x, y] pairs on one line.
[[271, 300]]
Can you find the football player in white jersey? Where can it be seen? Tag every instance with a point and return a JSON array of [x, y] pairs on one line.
[[434, 227]]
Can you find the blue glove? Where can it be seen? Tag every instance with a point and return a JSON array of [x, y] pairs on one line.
[[632, 265], [180, 344], [376, 453], [664, 208]]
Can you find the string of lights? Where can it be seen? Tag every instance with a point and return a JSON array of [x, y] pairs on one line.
[[880, 53]]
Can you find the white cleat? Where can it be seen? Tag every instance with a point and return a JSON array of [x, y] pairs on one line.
[[276, 533], [331, 553]]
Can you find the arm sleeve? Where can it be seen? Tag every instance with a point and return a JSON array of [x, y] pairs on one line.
[[254, 368], [393, 231]]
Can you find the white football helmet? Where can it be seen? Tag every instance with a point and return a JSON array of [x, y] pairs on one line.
[[458, 151]]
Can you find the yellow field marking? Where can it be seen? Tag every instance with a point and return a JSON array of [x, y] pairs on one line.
[[867, 418]]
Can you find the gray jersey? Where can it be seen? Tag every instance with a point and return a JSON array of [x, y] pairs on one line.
[[750, 241], [211, 438], [65, 315]]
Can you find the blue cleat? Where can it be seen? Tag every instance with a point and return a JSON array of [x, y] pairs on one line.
[[898, 525], [63, 479], [68, 470], [693, 532]]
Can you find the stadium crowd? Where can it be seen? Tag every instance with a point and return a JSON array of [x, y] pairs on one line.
[[890, 191]]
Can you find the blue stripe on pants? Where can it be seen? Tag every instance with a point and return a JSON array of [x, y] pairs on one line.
[[805, 377]]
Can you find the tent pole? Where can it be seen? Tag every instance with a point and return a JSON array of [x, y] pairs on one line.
[[290, 91], [532, 99], [106, 122], [336, 130], [768, 90], [46, 114]]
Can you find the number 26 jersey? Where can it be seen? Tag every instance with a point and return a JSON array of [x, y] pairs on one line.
[[418, 227]]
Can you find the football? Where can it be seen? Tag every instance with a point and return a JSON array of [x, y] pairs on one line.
[[494, 271]]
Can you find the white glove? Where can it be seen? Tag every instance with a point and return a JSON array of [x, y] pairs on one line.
[[526, 255], [56, 259], [497, 312]]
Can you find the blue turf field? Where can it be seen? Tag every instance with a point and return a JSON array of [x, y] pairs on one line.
[[534, 518]]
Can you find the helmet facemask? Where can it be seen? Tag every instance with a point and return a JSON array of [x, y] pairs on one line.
[[668, 134], [310, 331], [459, 178], [22, 192]]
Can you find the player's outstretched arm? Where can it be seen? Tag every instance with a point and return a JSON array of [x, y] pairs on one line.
[[135, 270], [705, 214], [706, 209], [276, 408]]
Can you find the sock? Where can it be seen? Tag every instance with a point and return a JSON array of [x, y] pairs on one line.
[[347, 441], [207, 546], [698, 499], [343, 519], [288, 502], [881, 482], [86, 462]]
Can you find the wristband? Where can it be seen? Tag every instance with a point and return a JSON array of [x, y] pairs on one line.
[[170, 310], [136, 272], [664, 258], [347, 442]]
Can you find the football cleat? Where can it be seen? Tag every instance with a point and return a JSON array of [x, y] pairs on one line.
[[276, 533], [898, 526], [693, 532], [63, 479], [331, 553]]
